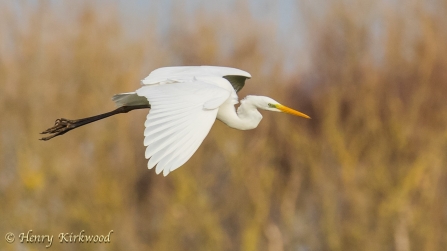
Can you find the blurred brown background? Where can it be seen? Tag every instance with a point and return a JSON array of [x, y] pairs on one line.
[[368, 172]]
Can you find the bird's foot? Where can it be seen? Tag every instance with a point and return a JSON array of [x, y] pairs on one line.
[[60, 127]]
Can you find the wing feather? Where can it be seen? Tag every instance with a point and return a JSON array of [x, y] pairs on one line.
[[156, 129], [182, 114], [165, 120], [187, 151]]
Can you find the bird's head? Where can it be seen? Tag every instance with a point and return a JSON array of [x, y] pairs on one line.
[[270, 104]]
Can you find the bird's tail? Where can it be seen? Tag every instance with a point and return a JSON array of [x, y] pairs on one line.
[[129, 99]]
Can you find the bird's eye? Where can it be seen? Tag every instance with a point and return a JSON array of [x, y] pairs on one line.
[[271, 105]]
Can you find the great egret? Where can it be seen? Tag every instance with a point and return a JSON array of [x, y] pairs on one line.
[[184, 101]]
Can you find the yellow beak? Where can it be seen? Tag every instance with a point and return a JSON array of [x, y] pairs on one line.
[[288, 110]]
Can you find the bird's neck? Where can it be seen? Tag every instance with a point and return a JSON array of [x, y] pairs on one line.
[[246, 118]]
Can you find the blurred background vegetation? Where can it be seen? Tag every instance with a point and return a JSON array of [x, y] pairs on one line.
[[368, 172]]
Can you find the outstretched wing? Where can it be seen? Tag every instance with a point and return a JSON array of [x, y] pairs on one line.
[[181, 116]]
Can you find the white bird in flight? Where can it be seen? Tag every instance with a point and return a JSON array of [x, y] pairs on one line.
[[184, 102]]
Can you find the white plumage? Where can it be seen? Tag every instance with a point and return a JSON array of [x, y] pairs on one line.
[[181, 116]]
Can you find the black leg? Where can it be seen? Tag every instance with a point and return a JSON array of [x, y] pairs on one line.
[[62, 126]]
